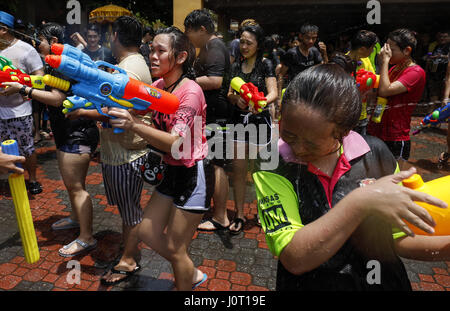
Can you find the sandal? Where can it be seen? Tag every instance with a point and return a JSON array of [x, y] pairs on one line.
[[444, 156], [217, 226], [127, 274], [203, 280], [239, 222], [70, 224], [85, 247]]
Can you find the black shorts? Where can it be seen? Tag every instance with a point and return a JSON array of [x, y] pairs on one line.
[[191, 188], [217, 137], [254, 129], [400, 149]]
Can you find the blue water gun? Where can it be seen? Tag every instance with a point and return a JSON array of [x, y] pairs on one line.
[[95, 88], [437, 116]]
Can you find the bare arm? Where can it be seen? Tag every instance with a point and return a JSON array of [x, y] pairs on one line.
[[157, 138], [386, 88], [272, 90], [426, 248], [209, 83], [318, 241]]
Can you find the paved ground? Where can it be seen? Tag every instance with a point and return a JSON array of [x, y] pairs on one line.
[[240, 262]]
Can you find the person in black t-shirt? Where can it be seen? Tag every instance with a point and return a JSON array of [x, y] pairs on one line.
[[299, 58], [212, 68], [94, 49], [147, 38], [260, 71]]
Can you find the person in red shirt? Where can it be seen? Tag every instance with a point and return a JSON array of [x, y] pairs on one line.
[[403, 86]]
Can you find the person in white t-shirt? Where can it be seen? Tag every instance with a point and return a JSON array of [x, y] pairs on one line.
[[16, 119]]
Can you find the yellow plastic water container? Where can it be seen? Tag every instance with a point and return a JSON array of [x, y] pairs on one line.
[[439, 188]]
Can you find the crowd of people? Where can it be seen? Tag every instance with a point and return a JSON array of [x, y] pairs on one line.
[[330, 144]]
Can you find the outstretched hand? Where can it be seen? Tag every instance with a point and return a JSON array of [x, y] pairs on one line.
[[395, 203]]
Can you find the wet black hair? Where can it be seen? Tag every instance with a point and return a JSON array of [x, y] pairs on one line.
[[331, 91], [403, 38], [308, 28], [258, 32], [345, 62], [179, 43], [129, 31], [94, 27], [49, 30], [198, 18], [148, 30], [363, 38]]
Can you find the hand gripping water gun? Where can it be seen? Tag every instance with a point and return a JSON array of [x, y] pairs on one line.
[[104, 89], [438, 116], [438, 188], [366, 80], [249, 92], [22, 207], [9, 73]]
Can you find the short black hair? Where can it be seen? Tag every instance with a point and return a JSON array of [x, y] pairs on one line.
[[403, 38], [129, 31], [198, 18], [49, 30], [331, 91], [148, 30], [179, 43], [94, 27], [363, 38], [309, 28]]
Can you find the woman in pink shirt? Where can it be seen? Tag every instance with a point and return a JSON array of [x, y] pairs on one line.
[[185, 177], [403, 86]]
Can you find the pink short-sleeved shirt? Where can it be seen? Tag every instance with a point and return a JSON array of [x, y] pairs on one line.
[[187, 122]]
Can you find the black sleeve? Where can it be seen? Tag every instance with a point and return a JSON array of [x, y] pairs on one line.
[[287, 58], [317, 56], [269, 69], [215, 63], [109, 58], [235, 69]]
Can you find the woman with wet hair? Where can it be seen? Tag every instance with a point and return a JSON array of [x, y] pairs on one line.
[[333, 205]]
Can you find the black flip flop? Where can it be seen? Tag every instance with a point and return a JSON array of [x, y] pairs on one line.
[[115, 271], [217, 226], [237, 221]]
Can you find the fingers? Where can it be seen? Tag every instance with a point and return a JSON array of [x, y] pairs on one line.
[[425, 198], [402, 226], [397, 178], [420, 218]]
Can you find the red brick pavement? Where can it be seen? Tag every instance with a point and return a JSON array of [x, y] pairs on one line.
[[223, 274]]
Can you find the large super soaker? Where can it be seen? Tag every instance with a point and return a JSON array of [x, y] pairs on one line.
[[9, 73], [437, 116], [250, 93], [95, 88], [22, 207]]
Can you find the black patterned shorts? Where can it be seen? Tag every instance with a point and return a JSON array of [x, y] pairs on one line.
[[21, 130]]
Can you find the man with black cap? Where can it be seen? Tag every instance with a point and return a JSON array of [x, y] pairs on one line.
[[16, 120]]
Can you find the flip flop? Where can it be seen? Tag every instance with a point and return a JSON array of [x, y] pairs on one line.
[[85, 247], [126, 273], [217, 226], [203, 280], [70, 224], [239, 223]]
